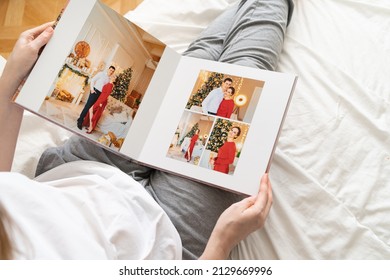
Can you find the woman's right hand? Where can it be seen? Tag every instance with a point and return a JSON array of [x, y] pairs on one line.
[[238, 221]]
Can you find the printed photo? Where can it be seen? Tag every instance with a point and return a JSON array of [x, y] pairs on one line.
[[225, 96], [190, 137], [101, 84], [223, 148]]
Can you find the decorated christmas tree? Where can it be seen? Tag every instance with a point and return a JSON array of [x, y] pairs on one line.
[[191, 132], [219, 134], [121, 85], [213, 81]]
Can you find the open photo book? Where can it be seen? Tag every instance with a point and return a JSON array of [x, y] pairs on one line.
[[104, 78]]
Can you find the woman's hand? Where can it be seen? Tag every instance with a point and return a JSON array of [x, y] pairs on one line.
[[238, 221], [18, 66]]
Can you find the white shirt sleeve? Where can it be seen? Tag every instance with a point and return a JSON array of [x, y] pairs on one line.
[[206, 102]]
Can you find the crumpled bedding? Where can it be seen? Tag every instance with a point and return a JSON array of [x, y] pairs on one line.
[[330, 172], [332, 164]]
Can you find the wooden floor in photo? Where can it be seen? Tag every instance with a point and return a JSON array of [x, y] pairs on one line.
[[17, 16]]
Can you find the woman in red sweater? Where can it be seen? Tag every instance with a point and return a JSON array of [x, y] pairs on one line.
[[227, 152], [226, 107]]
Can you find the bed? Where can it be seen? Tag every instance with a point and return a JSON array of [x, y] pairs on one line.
[[331, 169]]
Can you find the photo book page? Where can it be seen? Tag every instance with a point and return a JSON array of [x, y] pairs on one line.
[[230, 147]]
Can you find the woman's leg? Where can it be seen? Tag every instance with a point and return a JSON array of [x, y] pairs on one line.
[[250, 34], [79, 148], [90, 119]]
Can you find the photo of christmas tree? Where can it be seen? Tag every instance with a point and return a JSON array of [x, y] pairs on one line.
[[103, 79], [215, 121], [190, 137], [207, 141], [223, 148], [225, 96]]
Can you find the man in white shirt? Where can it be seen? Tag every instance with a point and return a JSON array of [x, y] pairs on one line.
[[96, 86], [211, 103]]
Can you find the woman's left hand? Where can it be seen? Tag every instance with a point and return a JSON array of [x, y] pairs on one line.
[[26, 50], [18, 66]]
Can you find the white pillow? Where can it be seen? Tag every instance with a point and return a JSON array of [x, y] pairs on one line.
[[185, 19], [2, 64]]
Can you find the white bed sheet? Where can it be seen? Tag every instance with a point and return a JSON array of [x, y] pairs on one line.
[[331, 170], [2, 64]]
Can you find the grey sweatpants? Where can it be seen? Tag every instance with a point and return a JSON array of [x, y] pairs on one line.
[[251, 33]]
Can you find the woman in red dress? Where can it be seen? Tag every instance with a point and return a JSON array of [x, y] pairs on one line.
[[95, 112], [227, 152], [194, 138], [226, 107]]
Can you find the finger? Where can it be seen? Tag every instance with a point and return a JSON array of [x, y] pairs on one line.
[[262, 196], [270, 199], [245, 203], [42, 38], [34, 32], [249, 201]]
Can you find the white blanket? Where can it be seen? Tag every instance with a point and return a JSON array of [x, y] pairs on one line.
[[86, 211], [331, 170]]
